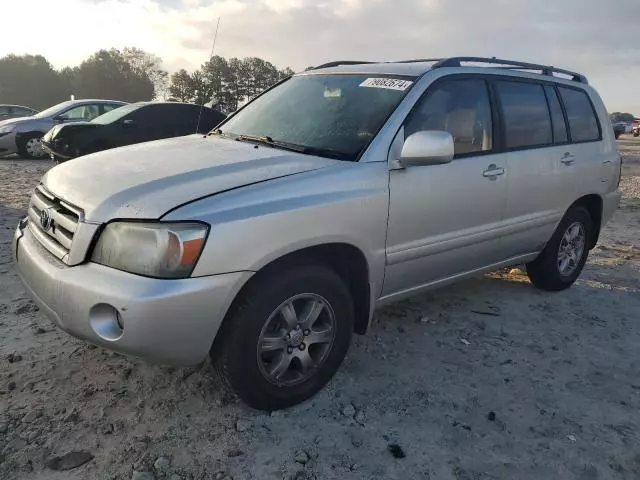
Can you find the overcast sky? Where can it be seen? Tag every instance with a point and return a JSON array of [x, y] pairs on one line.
[[596, 37]]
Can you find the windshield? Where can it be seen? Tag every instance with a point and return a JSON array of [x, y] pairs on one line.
[[115, 114], [326, 115], [52, 111]]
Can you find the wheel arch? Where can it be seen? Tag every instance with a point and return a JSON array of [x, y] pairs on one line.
[[348, 261], [593, 205]]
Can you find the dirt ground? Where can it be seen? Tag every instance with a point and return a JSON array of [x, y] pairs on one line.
[[488, 379]]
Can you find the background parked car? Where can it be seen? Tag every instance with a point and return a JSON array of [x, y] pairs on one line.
[[24, 135], [635, 127], [135, 123], [619, 128], [15, 111]]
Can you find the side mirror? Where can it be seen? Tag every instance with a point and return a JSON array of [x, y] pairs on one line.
[[427, 148], [61, 118]]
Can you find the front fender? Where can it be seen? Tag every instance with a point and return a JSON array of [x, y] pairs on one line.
[[257, 224]]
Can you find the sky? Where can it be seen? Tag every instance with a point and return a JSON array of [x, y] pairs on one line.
[[595, 37]]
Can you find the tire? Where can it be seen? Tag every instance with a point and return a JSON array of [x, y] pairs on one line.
[[636, 133], [257, 321], [26, 147], [545, 271]]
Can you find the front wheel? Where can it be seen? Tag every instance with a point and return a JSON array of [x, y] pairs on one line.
[[563, 258], [286, 337], [31, 146]]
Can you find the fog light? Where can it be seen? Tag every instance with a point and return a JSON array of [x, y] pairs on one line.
[[106, 322]]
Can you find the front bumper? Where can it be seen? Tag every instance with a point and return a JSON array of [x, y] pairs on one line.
[[167, 321], [55, 152], [8, 144]]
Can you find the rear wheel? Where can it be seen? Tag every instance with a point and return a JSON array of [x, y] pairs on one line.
[[31, 146], [562, 260], [286, 337]]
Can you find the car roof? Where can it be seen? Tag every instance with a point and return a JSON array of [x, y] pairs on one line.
[[19, 106], [167, 103], [94, 100], [384, 68], [419, 67]]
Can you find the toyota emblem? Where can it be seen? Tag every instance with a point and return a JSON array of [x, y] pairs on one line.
[[46, 222]]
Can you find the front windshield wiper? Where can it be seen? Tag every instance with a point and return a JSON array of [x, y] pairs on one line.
[[267, 140], [294, 147]]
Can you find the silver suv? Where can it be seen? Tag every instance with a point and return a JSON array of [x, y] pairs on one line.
[[23, 135], [351, 185]]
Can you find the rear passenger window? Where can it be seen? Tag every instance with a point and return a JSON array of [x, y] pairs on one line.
[[583, 124], [460, 107], [526, 116], [557, 118]]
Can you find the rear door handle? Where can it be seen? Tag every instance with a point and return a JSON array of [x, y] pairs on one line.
[[568, 158], [493, 171]]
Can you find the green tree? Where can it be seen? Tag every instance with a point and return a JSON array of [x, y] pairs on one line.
[[107, 74], [150, 65], [621, 117], [228, 83], [30, 80]]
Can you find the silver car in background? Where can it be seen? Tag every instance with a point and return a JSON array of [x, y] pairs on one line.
[[23, 135], [267, 243], [15, 111]]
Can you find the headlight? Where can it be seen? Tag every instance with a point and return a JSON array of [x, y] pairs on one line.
[[160, 250], [7, 129]]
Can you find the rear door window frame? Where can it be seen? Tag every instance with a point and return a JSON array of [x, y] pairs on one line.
[[502, 123]]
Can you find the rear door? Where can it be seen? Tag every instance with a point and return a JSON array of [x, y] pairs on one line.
[[585, 164], [534, 139]]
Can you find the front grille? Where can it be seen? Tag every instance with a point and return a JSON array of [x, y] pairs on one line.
[[56, 227]]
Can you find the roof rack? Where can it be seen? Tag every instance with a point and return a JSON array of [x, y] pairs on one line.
[[340, 62], [508, 64], [457, 62]]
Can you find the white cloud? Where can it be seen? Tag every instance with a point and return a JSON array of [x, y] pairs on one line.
[[593, 36]]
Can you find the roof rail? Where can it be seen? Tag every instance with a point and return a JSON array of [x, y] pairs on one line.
[[340, 62], [510, 64]]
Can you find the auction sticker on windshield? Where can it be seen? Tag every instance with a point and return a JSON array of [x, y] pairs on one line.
[[389, 83]]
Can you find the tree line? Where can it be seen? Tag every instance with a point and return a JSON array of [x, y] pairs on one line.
[[621, 117], [229, 83], [133, 75]]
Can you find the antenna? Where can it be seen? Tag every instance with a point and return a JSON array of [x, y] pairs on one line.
[[213, 47]]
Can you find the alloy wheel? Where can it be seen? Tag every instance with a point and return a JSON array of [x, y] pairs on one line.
[[296, 339]]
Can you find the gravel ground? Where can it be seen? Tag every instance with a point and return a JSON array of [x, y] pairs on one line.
[[488, 379]]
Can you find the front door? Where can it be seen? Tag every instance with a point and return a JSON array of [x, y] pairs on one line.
[[444, 220]]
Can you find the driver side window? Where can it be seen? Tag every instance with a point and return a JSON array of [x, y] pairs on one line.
[[460, 107]]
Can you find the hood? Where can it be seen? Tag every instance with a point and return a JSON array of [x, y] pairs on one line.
[[15, 121], [145, 181], [69, 128]]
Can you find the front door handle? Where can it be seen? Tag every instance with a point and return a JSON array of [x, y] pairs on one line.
[[493, 171], [568, 158]]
